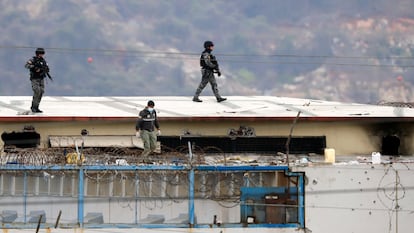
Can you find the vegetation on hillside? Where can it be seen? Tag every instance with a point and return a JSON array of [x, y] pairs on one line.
[[356, 51]]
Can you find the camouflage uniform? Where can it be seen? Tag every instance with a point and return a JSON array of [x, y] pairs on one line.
[[209, 65], [38, 68]]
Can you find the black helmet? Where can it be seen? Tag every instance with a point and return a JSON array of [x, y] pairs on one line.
[[151, 103], [40, 51], [208, 44]]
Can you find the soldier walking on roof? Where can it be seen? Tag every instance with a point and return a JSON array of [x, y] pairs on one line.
[[38, 70], [145, 128], [209, 66]]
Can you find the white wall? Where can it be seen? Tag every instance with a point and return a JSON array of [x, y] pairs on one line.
[[360, 198]]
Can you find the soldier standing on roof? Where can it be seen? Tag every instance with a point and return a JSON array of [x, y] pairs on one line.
[[145, 128], [209, 66], [38, 70]]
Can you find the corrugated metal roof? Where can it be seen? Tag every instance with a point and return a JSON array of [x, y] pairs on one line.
[[180, 107]]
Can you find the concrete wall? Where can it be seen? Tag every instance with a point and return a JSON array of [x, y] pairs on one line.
[[359, 198], [339, 198], [347, 138]]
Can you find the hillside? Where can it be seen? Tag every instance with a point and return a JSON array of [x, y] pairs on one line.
[[350, 51]]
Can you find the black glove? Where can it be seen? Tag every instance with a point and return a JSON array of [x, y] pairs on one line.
[[218, 73], [38, 66]]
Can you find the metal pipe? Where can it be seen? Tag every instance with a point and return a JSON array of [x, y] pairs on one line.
[[80, 197], [191, 197]]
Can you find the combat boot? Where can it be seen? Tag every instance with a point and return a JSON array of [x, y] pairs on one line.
[[36, 110], [196, 99], [221, 99]]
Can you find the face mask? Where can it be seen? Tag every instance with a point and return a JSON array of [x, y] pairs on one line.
[[150, 109]]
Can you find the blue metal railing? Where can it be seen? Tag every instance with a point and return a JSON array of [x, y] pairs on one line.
[[191, 190]]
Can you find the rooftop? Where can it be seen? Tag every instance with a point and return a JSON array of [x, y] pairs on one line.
[[179, 107]]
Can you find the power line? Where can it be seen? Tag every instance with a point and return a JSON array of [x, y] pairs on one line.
[[281, 59]]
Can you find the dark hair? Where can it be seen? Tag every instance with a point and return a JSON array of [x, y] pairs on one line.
[[151, 103]]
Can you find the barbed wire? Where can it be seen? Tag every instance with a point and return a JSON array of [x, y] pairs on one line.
[[105, 155]]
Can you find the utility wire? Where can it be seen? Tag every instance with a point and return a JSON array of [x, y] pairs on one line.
[[121, 51], [240, 58]]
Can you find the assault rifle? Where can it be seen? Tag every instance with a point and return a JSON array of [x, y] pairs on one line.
[[45, 70], [50, 77], [43, 67]]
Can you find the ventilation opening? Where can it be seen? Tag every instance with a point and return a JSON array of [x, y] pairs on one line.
[[390, 145], [28, 138], [298, 145]]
